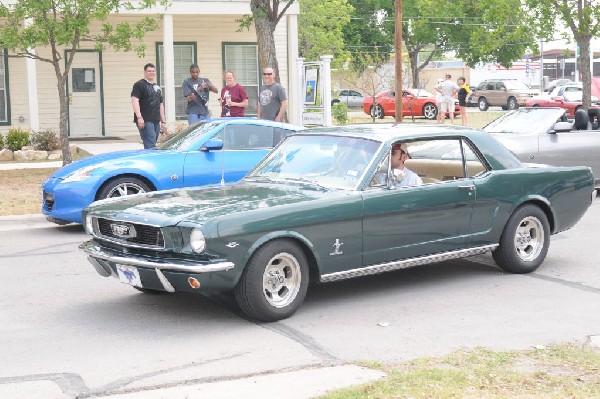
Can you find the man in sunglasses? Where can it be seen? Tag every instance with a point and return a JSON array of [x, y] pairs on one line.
[[402, 175], [272, 100]]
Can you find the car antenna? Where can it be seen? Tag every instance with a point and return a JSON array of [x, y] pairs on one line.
[[223, 165]]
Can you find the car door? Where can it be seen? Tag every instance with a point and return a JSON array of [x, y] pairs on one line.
[[419, 220], [574, 148], [243, 147], [355, 99]]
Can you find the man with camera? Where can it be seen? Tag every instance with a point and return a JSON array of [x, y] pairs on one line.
[[195, 90]]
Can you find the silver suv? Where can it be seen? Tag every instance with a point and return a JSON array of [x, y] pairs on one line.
[[351, 98], [505, 93]]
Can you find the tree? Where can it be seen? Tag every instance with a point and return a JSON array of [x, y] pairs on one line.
[[482, 31], [64, 25], [266, 16], [582, 17], [320, 29]]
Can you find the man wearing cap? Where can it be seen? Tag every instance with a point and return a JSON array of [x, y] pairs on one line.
[[403, 175], [448, 89]]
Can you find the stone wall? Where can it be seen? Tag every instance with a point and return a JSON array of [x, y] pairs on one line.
[[27, 154]]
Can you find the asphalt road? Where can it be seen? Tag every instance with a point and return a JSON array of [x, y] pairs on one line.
[[66, 331]]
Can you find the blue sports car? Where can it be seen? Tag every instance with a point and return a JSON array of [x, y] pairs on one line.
[[215, 151]]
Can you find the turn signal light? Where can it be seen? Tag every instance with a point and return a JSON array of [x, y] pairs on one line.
[[194, 283]]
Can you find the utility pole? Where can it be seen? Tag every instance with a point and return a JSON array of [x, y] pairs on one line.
[[399, 87]]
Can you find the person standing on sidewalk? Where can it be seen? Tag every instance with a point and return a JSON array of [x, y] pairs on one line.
[[233, 98], [448, 89], [463, 93], [272, 100], [195, 90], [148, 107]]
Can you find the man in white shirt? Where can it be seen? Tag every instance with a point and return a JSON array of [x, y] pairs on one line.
[[403, 176], [448, 89]]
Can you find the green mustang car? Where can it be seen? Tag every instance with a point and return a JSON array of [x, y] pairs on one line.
[[334, 203]]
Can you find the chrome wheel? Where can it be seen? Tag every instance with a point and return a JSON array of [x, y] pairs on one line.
[[512, 103], [430, 111], [281, 280], [529, 239], [125, 188], [377, 111]]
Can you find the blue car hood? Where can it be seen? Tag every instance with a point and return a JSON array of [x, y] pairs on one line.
[[113, 158], [168, 208]]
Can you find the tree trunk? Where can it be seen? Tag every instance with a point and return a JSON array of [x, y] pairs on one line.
[[586, 74], [267, 54], [64, 122]]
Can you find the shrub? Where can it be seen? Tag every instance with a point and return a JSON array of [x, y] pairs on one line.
[[45, 140], [340, 113], [17, 139], [1, 141]]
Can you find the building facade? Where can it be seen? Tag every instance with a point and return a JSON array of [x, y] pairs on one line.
[[99, 84]]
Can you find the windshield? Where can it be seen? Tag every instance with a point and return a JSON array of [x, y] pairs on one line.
[[324, 160], [515, 85], [189, 138], [526, 121]]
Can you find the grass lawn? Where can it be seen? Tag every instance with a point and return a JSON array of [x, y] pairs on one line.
[[21, 192], [557, 371]]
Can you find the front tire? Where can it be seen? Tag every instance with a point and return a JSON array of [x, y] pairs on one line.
[[274, 282], [512, 104], [430, 111], [524, 242], [123, 186]]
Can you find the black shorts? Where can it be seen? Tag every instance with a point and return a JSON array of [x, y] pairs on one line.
[[462, 102]]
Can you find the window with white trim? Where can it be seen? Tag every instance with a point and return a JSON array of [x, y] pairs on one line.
[[184, 55], [242, 60]]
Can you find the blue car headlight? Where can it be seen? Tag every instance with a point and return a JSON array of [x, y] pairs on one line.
[[81, 174], [197, 241]]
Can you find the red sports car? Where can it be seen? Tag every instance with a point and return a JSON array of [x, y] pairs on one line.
[[567, 97], [415, 102]]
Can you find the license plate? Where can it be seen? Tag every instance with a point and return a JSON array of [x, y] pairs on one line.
[[129, 275]]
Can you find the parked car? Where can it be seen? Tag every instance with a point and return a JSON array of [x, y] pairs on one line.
[[313, 211], [471, 99], [544, 135], [505, 93], [187, 159], [352, 98], [568, 97], [556, 83], [415, 102]]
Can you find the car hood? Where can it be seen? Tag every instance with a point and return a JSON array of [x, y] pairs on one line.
[[167, 208], [118, 158]]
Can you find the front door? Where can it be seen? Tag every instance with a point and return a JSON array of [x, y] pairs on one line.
[[85, 105]]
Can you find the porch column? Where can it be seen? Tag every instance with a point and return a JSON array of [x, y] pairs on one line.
[[169, 70], [32, 96], [294, 85], [326, 82]]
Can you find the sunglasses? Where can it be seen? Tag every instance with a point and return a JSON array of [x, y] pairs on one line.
[[267, 73]]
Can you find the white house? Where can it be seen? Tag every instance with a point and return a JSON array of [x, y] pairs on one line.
[[99, 87]]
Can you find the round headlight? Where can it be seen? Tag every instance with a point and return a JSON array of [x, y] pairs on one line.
[[197, 240]]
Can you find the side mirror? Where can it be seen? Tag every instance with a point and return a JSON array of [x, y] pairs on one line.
[[212, 145], [561, 127]]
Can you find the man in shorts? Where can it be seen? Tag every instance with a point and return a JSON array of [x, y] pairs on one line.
[[448, 90]]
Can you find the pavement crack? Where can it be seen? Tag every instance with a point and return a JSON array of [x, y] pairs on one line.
[[69, 383], [566, 283]]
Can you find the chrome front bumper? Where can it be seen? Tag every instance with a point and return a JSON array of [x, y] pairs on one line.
[[100, 258]]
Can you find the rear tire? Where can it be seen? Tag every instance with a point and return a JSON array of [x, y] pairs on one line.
[[525, 241], [274, 282], [377, 111], [483, 104]]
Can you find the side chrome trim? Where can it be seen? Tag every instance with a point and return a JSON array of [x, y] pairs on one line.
[[97, 254], [405, 263]]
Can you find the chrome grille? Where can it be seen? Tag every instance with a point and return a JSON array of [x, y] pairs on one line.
[[143, 235]]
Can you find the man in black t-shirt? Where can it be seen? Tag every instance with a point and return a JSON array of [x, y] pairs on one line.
[[148, 107]]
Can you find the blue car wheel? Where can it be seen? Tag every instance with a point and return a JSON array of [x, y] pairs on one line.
[[123, 186]]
